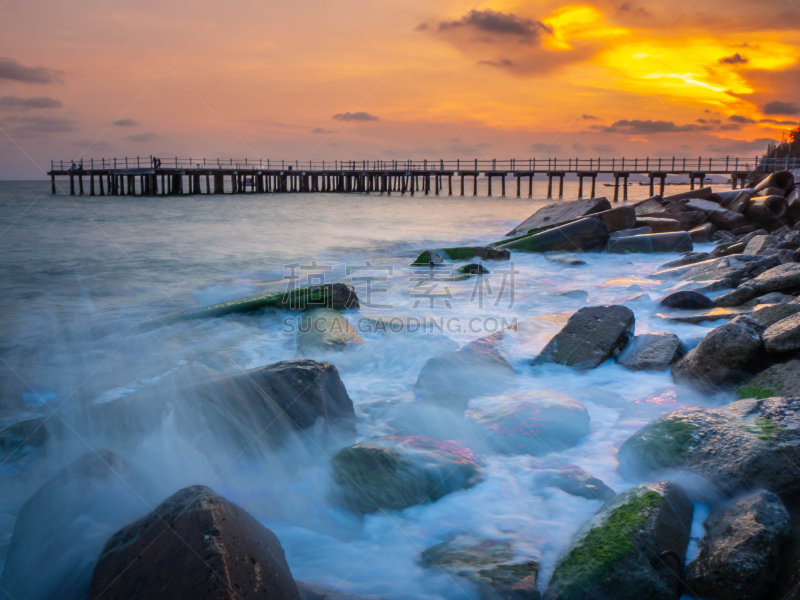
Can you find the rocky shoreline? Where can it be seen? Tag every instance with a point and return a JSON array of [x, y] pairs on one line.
[[197, 544]]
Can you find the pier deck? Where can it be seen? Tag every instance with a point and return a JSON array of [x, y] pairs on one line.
[[138, 176]]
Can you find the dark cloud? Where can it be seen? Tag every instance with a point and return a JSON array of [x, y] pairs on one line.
[[781, 108], [730, 147], [141, 137], [740, 119], [546, 148], [496, 23], [777, 122], [736, 59], [603, 148], [422, 27], [637, 126], [632, 9], [15, 103], [356, 116], [590, 118], [12, 70], [578, 147], [30, 126], [125, 123], [497, 63], [321, 130]]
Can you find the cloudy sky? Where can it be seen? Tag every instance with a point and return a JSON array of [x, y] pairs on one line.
[[342, 79]]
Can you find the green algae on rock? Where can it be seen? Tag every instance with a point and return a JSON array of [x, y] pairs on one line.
[[627, 549]]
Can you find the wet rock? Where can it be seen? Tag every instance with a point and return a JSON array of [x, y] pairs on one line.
[[651, 351], [534, 422], [336, 296], [742, 446], [591, 336], [566, 260], [586, 234], [26, 435], [739, 553], [656, 242], [395, 472], [617, 219], [729, 249], [650, 205], [723, 236], [429, 257], [752, 234], [560, 213], [700, 316], [473, 269], [775, 298], [66, 520], [783, 336], [781, 278], [554, 472], [441, 255], [632, 548], [770, 314], [702, 233], [687, 300], [659, 225], [687, 259], [758, 243], [719, 216], [487, 564], [454, 377], [575, 294], [629, 232], [157, 556], [722, 357], [777, 380], [325, 329], [652, 406]]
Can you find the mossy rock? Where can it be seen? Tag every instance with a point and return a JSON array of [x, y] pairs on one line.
[[662, 444], [395, 472], [473, 269], [620, 552]]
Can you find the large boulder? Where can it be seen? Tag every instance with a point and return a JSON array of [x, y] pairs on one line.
[[744, 445], [722, 358], [739, 553], [63, 526], [326, 329], [454, 377], [591, 336], [395, 472], [533, 422], [560, 213], [716, 214], [770, 314], [778, 380], [488, 564], [651, 351], [783, 336], [195, 545], [632, 548], [687, 299], [585, 234]]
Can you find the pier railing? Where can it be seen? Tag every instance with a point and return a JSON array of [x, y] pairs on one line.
[[728, 164]]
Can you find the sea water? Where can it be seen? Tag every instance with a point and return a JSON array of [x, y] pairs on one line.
[[80, 275]]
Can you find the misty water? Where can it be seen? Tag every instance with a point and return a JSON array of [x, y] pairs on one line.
[[79, 276]]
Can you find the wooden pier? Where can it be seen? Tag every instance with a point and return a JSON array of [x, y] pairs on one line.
[[149, 177]]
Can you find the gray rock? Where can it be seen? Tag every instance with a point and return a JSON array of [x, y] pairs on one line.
[[651, 205], [659, 224], [326, 329], [759, 243], [617, 219], [775, 298], [724, 236], [477, 369], [651, 351], [656, 242], [688, 300], [781, 278], [585, 234], [689, 258], [700, 316], [729, 249], [749, 236], [569, 478], [719, 216], [591, 336], [777, 380], [721, 358], [395, 472], [770, 314], [68, 519], [702, 233], [783, 336], [739, 553], [560, 213], [158, 556], [632, 548], [488, 564], [629, 232], [742, 446]]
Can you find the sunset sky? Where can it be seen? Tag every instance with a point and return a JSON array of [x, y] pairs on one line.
[[342, 79]]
